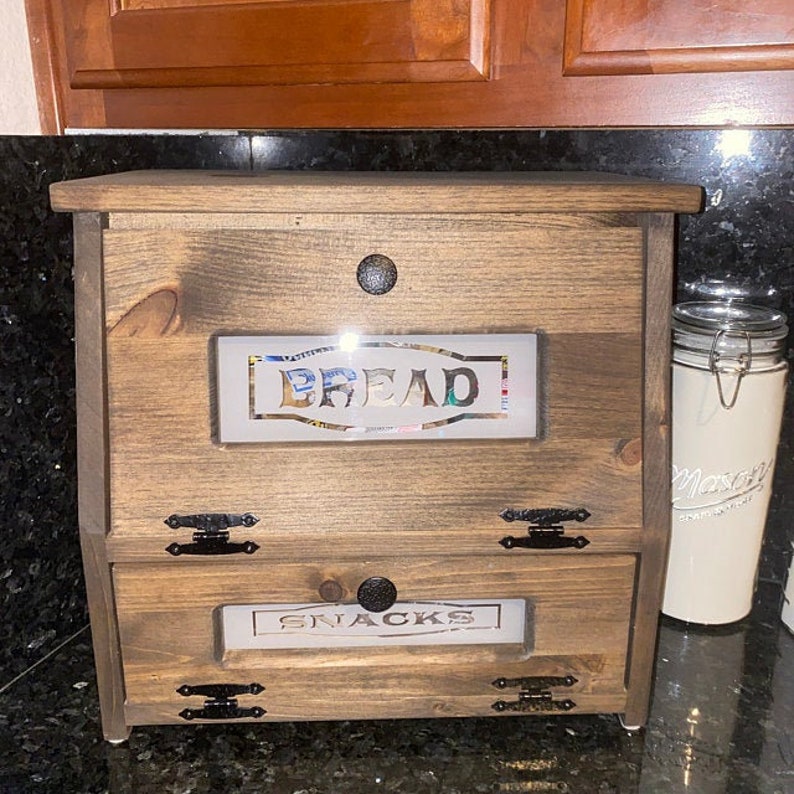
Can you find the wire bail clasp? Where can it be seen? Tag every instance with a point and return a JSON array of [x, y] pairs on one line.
[[744, 362]]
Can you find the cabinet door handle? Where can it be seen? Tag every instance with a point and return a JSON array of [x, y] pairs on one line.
[[376, 274], [376, 594]]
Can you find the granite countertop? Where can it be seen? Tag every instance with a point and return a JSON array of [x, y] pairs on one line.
[[722, 716], [722, 720]]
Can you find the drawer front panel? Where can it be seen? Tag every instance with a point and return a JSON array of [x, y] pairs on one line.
[[578, 625], [169, 293]]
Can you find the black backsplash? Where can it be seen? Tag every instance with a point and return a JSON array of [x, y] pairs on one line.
[[744, 235]]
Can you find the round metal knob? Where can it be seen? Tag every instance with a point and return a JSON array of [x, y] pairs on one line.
[[376, 274], [377, 594]]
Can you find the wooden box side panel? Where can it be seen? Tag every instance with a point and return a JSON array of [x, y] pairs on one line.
[[93, 469], [656, 472]]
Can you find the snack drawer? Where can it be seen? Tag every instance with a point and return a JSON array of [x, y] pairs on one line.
[[575, 282], [384, 637]]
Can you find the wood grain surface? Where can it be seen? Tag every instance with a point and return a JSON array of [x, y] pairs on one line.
[[301, 42], [93, 475], [618, 37], [169, 292], [168, 625], [475, 254], [656, 473], [372, 193], [416, 64]]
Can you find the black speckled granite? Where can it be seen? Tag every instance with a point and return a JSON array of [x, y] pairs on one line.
[[41, 590], [722, 722], [744, 234], [743, 744]]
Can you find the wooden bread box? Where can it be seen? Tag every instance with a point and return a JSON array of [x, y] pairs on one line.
[[369, 445]]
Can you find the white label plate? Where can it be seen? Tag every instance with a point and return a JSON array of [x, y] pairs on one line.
[[350, 387], [470, 622]]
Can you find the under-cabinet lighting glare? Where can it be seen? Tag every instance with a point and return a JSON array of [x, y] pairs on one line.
[[734, 143]]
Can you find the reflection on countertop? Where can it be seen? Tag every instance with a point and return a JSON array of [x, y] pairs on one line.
[[722, 720]]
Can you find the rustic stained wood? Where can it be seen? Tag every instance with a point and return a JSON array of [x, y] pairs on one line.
[[656, 467], [580, 615], [585, 261], [92, 469], [277, 544], [588, 278], [373, 193], [580, 287], [416, 64]]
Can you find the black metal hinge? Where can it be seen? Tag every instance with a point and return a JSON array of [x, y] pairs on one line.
[[535, 694], [221, 703], [547, 532], [534, 701], [536, 682], [211, 534]]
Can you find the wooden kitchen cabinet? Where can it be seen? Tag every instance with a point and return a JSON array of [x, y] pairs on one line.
[[372, 445], [172, 43], [412, 63]]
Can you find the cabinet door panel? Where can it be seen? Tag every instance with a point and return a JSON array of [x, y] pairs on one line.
[[171, 635], [411, 63], [169, 293], [605, 37], [173, 43]]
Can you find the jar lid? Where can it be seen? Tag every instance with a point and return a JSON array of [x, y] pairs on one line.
[[740, 317]]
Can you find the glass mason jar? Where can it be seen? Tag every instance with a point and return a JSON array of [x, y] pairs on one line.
[[729, 382], [787, 610]]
